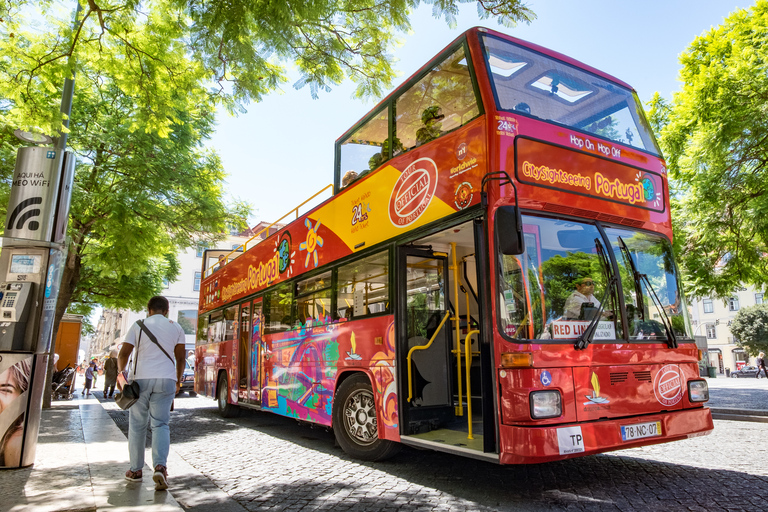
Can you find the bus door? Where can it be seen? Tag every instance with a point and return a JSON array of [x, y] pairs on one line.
[[244, 352], [257, 331], [424, 343]]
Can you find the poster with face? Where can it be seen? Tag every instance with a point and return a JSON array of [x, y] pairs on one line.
[[15, 373]]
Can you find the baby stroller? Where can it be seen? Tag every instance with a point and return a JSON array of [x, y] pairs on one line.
[[62, 382]]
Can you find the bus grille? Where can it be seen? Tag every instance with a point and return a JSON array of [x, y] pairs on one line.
[[643, 376]]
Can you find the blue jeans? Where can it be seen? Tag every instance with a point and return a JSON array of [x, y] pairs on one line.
[[154, 404]]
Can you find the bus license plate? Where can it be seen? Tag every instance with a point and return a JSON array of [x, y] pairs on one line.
[[641, 430]]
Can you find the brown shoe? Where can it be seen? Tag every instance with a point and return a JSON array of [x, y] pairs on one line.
[[161, 478], [133, 476]]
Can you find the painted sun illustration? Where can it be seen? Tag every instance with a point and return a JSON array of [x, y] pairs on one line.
[[312, 243]]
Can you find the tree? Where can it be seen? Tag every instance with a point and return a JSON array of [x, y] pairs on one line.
[[714, 134], [241, 48], [750, 328]]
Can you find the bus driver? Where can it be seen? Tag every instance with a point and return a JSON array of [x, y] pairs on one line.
[[581, 298]]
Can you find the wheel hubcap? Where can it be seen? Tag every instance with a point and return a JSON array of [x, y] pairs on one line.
[[360, 417]]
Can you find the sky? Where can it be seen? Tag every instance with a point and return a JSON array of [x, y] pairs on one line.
[[281, 151]]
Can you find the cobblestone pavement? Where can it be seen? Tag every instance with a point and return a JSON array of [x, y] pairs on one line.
[[745, 393], [266, 462]]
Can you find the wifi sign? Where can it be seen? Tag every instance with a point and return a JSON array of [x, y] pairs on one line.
[[33, 194], [22, 213]]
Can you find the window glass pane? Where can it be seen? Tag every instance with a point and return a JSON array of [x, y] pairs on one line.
[[314, 283], [555, 288], [535, 85], [187, 319], [513, 296], [425, 296], [363, 287], [216, 327], [652, 256], [230, 316], [366, 148], [278, 306], [709, 307], [202, 330], [196, 283], [440, 102], [758, 298], [314, 309]]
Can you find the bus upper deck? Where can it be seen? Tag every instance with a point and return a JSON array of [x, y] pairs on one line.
[[494, 103]]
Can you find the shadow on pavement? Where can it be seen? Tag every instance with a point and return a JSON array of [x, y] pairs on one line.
[[241, 459]]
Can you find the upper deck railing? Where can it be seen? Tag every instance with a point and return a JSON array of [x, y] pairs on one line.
[[242, 248]]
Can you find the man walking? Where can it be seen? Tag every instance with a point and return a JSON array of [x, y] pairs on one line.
[[761, 365], [159, 377]]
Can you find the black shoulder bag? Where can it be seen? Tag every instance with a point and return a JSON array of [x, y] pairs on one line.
[[129, 394]]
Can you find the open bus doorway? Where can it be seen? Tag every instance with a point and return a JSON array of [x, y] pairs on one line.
[[438, 310]]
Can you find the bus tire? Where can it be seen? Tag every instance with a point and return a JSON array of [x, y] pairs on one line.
[[354, 421], [226, 409]]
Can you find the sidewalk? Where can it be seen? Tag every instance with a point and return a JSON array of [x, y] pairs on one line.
[[80, 465]]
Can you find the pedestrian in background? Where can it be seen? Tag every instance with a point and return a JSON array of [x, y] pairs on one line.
[[110, 374], [89, 377], [159, 377], [761, 365]]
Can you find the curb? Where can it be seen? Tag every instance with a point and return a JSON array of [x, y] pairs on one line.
[[755, 415]]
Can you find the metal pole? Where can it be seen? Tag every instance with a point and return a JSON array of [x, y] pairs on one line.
[[61, 145], [69, 90]]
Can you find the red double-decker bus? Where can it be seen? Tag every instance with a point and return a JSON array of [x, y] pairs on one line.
[[493, 275]]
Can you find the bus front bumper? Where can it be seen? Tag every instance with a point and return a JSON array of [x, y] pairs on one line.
[[531, 444]]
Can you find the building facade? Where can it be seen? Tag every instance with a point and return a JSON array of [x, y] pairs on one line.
[[712, 318]]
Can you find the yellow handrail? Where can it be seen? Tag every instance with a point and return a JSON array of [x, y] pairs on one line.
[[244, 245], [468, 361], [457, 325], [422, 347]]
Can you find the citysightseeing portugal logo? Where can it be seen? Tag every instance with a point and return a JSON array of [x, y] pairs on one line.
[[668, 385], [413, 192]]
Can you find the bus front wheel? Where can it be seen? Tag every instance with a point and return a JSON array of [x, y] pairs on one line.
[[226, 409], [354, 421]]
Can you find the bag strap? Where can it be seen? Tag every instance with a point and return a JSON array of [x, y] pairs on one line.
[[152, 337], [136, 357]]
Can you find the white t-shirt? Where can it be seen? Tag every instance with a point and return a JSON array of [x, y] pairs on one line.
[[152, 363]]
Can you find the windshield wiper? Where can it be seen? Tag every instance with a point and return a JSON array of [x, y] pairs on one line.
[[585, 339], [643, 278], [635, 278]]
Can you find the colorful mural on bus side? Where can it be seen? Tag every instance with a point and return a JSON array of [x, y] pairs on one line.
[[301, 367]]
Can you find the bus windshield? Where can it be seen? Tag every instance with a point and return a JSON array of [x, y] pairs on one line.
[[532, 84], [561, 282]]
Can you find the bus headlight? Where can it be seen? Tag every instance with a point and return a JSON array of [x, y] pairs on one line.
[[698, 391], [546, 404]]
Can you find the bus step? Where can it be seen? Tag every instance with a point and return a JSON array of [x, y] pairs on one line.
[[419, 427]]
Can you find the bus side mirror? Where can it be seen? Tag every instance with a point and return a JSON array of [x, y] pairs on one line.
[[509, 230]]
